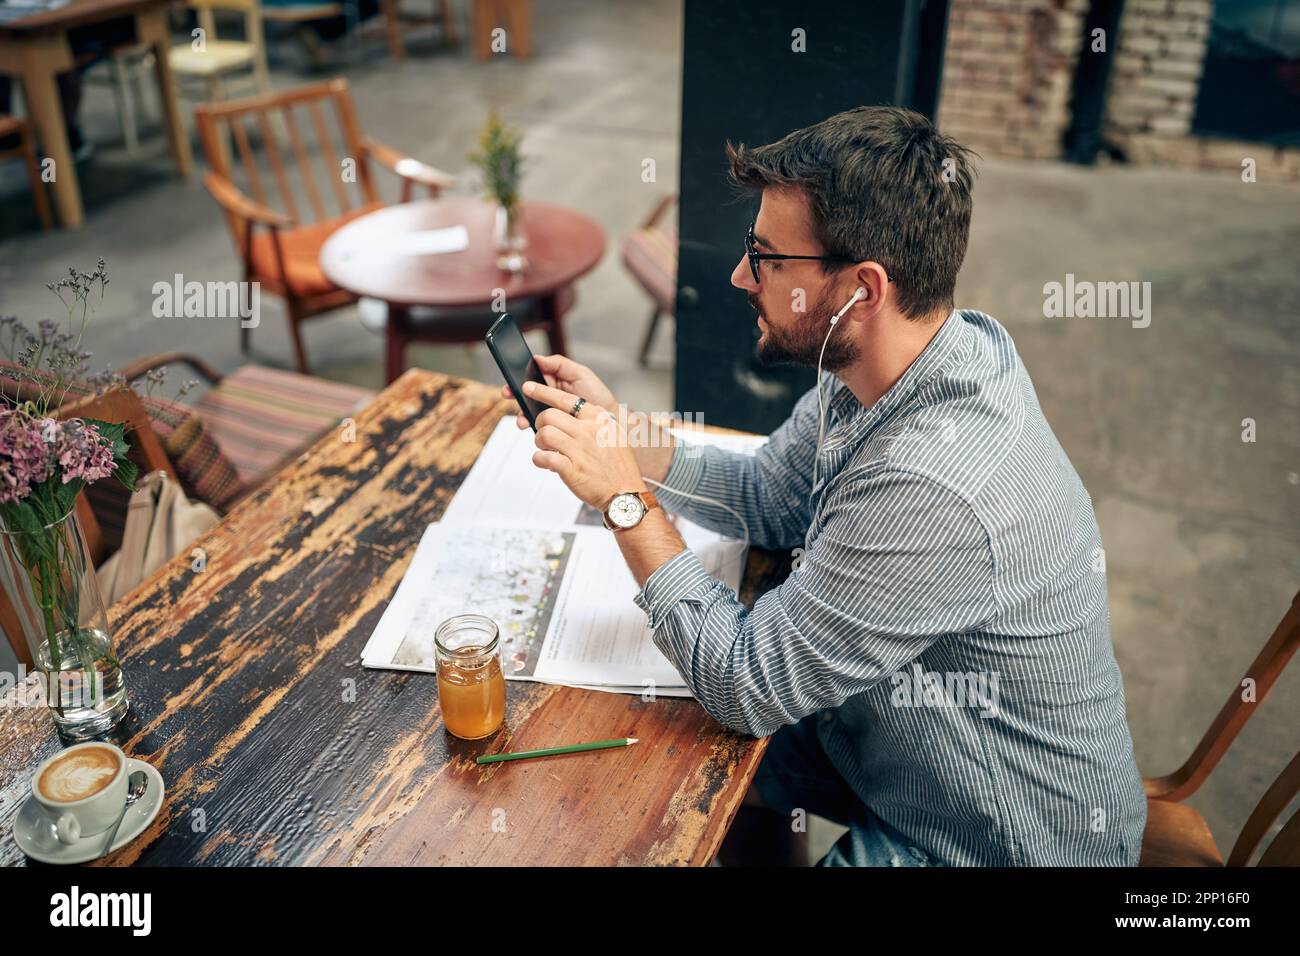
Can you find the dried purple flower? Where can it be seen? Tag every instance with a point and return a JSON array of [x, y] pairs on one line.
[[26, 459], [83, 453]]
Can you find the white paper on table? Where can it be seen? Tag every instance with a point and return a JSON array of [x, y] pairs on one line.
[[561, 597], [581, 628], [432, 241], [511, 575], [597, 634], [505, 486]]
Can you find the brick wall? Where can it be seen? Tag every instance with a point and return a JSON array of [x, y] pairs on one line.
[[1157, 70], [1153, 89], [1008, 68]]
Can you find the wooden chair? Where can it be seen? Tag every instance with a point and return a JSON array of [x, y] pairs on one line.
[[281, 249], [391, 20], [220, 59], [300, 12], [259, 418], [1176, 835], [247, 426], [395, 19], [129, 65], [650, 254], [26, 148], [215, 66], [118, 405]]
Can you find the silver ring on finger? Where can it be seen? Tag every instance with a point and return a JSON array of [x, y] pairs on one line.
[[577, 407]]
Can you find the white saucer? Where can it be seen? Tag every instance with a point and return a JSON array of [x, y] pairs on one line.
[[32, 830]]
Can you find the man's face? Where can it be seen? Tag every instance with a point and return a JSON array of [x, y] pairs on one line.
[[787, 334]]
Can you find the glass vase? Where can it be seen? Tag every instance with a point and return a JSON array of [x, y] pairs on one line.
[[50, 582], [509, 235]]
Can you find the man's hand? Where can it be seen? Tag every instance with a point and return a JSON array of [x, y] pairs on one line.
[[588, 452], [654, 452], [567, 375]]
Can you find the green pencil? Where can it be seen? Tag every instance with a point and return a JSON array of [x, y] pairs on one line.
[[571, 749]]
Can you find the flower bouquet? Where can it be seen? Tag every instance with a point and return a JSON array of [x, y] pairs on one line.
[[45, 566]]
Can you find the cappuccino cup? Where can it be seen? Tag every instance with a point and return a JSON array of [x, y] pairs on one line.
[[82, 789]]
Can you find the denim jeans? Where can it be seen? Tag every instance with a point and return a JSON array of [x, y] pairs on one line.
[[796, 774]]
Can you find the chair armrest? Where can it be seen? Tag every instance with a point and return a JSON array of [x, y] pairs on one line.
[[143, 366], [409, 169], [237, 204], [665, 203]]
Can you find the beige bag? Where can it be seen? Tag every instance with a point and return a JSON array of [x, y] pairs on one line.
[[160, 524]]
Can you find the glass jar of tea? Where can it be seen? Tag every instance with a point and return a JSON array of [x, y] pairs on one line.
[[471, 685]]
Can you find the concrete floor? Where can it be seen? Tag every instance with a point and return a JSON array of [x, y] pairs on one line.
[[1202, 530]]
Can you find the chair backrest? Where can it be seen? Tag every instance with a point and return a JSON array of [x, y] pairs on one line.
[[251, 10], [339, 153], [107, 499], [659, 217], [1242, 702]]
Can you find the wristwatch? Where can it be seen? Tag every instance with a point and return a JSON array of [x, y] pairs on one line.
[[625, 510]]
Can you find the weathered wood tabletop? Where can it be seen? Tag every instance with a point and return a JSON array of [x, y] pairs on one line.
[[277, 747]]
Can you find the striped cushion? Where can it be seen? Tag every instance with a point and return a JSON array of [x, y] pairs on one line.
[[205, 473], [651, 256], [261, 417]]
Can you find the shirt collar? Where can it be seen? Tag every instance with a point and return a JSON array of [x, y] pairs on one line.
[[845, 409]]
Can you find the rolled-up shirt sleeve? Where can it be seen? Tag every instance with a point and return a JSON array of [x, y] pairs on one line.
[[898, 562]]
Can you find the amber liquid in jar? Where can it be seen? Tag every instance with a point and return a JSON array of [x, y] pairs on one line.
[[471, 685], [472, 695]]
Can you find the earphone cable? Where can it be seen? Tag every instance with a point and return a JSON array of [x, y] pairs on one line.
[[711, 501]]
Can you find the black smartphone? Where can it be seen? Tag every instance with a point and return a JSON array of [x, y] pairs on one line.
[[515, 359]]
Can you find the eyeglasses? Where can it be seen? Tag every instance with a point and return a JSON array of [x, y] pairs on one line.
[[755, 257]]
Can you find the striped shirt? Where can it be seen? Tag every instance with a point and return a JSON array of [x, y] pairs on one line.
[[947, 616]]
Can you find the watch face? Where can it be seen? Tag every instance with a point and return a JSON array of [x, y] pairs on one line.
[[626, 511]]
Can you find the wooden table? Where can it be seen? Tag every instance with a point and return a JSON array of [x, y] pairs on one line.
[[563, 246], [276, 746], [35, 49]]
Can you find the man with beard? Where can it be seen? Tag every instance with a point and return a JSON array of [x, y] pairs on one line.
[[937, 672]]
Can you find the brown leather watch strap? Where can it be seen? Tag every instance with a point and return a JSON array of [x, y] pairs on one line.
[[647, 498]]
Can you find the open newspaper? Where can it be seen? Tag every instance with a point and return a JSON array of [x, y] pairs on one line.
[[515, 545]]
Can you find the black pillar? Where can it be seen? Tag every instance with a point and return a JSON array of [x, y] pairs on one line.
[[1091, 75], [746, 80]]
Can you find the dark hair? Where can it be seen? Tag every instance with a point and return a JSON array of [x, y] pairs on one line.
[[880, 190]]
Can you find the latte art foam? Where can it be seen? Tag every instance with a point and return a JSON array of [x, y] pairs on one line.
[[79, 774]]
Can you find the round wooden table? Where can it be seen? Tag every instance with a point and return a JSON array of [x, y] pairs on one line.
[[369, 257]]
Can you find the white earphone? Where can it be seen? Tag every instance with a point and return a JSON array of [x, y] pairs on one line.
[[821, 395], [838, 315], [821, 428]]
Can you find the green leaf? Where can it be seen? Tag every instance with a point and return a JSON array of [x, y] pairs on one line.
[[66, 495], [20, 516], [126, 473], [113, 432]]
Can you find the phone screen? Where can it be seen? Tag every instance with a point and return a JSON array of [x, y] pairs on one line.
[[515, 359]]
